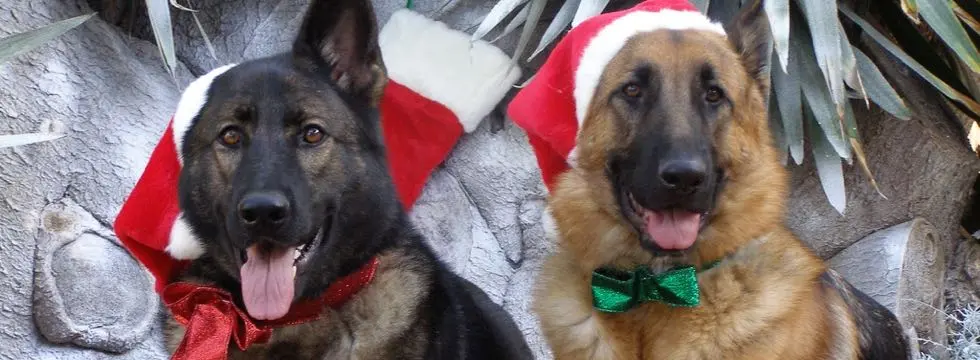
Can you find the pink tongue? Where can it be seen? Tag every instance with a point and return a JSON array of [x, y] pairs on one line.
[[267, 283], [672, 229]]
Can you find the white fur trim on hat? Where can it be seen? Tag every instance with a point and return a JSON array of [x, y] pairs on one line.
[[190, 104], [611, 38], [183, 244], [444, 65]]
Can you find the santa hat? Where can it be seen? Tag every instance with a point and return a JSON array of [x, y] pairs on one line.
[[441, 85], [552, 107]]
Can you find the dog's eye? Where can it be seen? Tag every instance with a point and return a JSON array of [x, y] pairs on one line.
[[312, 134], [231, 137], [713, 95], [632, 90]]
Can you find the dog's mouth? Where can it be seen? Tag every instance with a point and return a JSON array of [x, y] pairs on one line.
[[268, 276], [663, 230]]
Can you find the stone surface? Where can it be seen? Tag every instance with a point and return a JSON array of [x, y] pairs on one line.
[[108, 93], [903, 267], [115, 313]]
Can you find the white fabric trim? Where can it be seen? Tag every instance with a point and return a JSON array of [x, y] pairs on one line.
[[611, 38], [468, 77], [183, 244], [191, 102]]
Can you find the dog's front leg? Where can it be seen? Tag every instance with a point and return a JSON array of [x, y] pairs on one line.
[[572, 328]]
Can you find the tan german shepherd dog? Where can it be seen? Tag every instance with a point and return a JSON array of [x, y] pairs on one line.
[[651, 160]]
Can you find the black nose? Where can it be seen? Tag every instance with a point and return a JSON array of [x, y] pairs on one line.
[[263, 210], [683, 175]]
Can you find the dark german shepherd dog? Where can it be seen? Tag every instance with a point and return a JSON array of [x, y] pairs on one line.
[[285, 180]]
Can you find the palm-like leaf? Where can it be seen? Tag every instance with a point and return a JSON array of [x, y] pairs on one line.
[[25, 139], [560, 22], [778, 13], [159, 14], [941, 19], [17, 44]]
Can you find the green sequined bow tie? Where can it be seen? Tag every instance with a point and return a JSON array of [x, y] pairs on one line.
[[616, 291]]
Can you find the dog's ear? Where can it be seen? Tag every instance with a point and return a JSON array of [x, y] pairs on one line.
[[343, 34], [749, 33]]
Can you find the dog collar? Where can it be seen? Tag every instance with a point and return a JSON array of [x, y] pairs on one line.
[[615, 291], [212, 320]]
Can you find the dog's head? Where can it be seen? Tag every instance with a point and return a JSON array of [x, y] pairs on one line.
[[676, 114], [285, 162]]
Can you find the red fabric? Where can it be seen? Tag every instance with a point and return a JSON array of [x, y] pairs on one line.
[[419, 133], [545, 108], [144, 222], [212, 320]]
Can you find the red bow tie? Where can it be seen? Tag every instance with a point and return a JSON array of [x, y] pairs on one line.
[[212, 320]]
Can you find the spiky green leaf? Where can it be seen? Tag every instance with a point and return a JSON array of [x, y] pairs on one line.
[[17, 44], [778, 13], [562, 18], [587, 9], [514, 23], [815, 94], [495, 16], [787, 92], [159, 14], [850, 123], [878, 89], [941, 18], [828, 165], [897, 52], [24, 139], [535, 8], [822, 21], [851, 75]]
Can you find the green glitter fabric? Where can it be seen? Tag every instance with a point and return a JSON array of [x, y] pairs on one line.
[[616, 291]]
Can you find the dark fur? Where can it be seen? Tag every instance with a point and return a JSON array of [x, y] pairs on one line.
[[416, 308], [879, 333]]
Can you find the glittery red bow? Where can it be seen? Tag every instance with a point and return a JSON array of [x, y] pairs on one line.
[[212, 320]]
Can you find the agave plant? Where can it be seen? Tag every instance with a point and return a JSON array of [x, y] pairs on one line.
[[158, 12], [816, 69], [17, 44]]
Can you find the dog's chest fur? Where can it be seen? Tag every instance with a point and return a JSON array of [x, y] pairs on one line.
[[384, 320], [752, 306]]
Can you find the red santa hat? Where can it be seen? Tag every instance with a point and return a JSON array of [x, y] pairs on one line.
[[441, 86], [552, 107]]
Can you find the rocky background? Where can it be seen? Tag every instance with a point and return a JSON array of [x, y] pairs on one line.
[[69, 291]]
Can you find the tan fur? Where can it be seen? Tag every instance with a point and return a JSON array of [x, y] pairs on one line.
[[763, 301], [363, 328]]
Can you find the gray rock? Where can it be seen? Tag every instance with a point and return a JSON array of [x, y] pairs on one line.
[[114, 314], [481, 213], [903, 268], [109, 94]]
